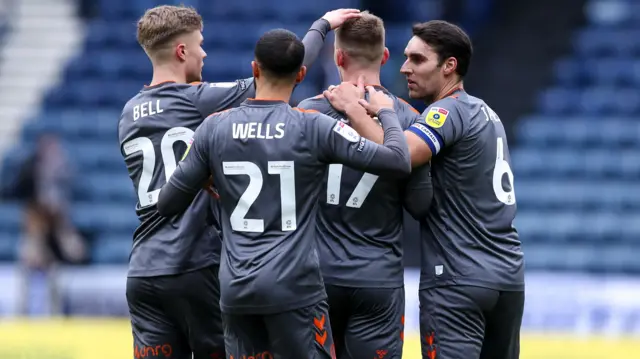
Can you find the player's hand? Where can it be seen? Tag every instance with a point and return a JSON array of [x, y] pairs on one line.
[[343, 95], [337, 17], [211, 190], [378, 100]]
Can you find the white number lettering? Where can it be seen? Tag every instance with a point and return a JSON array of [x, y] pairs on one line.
[[359, 194], [238, 221], [501, 168], [287, 192], [286, 171], [169, 160]]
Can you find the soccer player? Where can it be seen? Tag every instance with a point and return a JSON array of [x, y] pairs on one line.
[[267, 161], [360, 216], [172, 285], [472, 277]]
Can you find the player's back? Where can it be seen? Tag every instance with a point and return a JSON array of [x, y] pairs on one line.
[[470, 238], [268, 174], [360, 216], [155, 128]]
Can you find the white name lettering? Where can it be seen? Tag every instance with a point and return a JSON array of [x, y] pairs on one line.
[[255, 130], [146, 109]]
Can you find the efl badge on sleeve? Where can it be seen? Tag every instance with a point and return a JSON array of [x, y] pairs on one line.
[[436, 117], [346, 131]]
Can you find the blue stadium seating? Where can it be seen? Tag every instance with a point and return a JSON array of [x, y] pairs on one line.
[[112, 67], [577, 165]]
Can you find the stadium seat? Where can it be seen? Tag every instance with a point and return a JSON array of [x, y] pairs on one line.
[[111, 249]]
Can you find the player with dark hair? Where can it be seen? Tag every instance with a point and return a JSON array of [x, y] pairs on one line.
[[472, 277], [267, 161], [172, 285], [360, 216]]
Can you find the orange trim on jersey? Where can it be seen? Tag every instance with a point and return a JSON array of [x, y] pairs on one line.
[[195, 83], [304, 110], [408, 104], [160, 83], [265, 99], [452, 94], [219, 112]]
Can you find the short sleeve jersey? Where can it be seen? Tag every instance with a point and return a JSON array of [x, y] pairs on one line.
[[360, 216], [267, 161], [468, 235], [154, 130]]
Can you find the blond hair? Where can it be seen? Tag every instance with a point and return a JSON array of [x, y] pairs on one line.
[[362, 38], [162, 24]]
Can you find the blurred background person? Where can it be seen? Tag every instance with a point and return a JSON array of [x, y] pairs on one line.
[[49, 237]]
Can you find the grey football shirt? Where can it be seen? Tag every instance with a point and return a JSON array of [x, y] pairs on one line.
[[360, 216], [267, 162], [468, 234], [154, 130]]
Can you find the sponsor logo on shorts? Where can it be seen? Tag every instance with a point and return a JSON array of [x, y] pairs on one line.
[[321, 331], [162, 350], [381, 354], [263, 355], [430, 345]]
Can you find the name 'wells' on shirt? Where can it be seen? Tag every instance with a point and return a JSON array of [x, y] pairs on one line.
[[256, 130]]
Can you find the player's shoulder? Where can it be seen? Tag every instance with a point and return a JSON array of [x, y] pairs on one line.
[[239, 84], [436, 114], [401, 104], [318, 103], [221, 116], [448, 104]]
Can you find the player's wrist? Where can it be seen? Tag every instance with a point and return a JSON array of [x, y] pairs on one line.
[[322, 25], [382, 110], [354, 111]]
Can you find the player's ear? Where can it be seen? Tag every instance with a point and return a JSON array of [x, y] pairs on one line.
[[385, 56], [340, 58], [181, 52], [301, 74], [449, 66], [256, 69]]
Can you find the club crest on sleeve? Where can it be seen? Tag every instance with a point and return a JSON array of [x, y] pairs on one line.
[[346, 131], [436, 117]]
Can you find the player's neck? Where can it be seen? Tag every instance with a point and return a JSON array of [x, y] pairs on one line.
[[273, 92], [450, 88], [371, 77], [163, 74]]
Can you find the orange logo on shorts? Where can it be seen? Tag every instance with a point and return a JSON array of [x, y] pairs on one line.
[[431, 347], [321, 336], [149, 351]]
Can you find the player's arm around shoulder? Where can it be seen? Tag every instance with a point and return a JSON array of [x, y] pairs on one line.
[[439, 126], [212, 97], [418, 192], [192, 173]]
